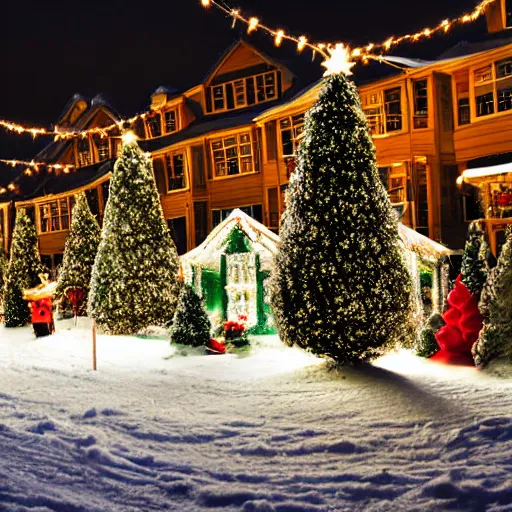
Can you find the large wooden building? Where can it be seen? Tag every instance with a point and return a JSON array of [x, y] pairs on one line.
[[230, 142]]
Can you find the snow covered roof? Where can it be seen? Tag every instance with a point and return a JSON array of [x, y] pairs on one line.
[[483, 172], [422, 245], [264, 242]]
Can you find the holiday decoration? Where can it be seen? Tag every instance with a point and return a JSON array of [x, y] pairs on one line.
[[215, 347], [474, 269], [79, 253], [340, 287], [40, 305], [190, 325], [22, 272], [230, 270], [235, 332], [495, 338], [134, 280], [4, 262]]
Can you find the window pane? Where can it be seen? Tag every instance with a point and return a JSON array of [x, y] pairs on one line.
[[484, 101], [218, 97], [239, 93], [420, 104], [245, 138], [504, 94], [287, 142], [483, 74], [249, 88], [464, 117], [217, 144], [230, 141], [170, 121], [154, 126]]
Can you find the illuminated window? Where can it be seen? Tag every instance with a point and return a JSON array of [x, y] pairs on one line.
[[393, 109], [56, 215], [383, 111], [420, 103], [154, 124], [83, 151], [493, 88], [244, 92], [291, 128], [175, 168], [171, 121], [463, 103], [232, 155], [255, 211], [102, 146]]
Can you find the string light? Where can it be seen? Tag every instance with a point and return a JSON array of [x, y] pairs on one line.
[[362, 53]]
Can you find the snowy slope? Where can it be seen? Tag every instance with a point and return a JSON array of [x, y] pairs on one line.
[[275, 430]]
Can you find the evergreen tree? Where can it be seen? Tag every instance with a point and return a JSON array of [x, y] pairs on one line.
[[80, 250], [22, 272], [474, 267], [134, 280], [495, 338], [190, 325], [3, 271], [340, 286]]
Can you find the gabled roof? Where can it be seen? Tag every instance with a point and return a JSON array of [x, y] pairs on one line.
[[264, 242]]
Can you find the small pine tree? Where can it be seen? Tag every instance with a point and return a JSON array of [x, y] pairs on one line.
[[22, 272], [340, 286], [474, 267], [427, 345], [80, 250], [495, 338], [134, 280], [191, 325]]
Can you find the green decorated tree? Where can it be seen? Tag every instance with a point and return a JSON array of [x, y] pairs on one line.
[[22, 272], [474, 259], [190, 325], [134, 280], [495, 338], [4, 262], [79, 253], [340, 286]]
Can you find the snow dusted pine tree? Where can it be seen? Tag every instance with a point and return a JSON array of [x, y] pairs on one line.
[[474, 263], [23, 271], [190, 325], [495, 338], [80, 250], [3, 271], [134, 281], [340, 285]]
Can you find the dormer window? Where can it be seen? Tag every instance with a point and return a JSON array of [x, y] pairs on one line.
[[154, 125], [102, 147], [171, 121], [83, 151], [244, 92]]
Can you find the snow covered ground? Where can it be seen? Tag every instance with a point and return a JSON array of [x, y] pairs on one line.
[[273, 430]]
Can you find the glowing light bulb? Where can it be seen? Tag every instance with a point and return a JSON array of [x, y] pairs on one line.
[[128, 137], [279, 37], [302, 43], [253, 23], [205, 3]]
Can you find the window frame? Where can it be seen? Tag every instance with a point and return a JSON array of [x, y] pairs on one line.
[[177, 120], [494, 81], [70, 200], [169, 157], [79, 153], [376, 100], [415, 98], [296, 129], [239, 156], [222, 87]]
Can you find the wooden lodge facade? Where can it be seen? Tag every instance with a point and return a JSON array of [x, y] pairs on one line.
[[230, 142]]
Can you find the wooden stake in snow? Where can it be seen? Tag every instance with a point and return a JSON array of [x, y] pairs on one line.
[[94, 344]]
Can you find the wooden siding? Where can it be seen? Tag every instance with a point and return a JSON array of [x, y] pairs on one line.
[[236, 191], [484, 137], [175, 204], [52, 243], [242, 57]]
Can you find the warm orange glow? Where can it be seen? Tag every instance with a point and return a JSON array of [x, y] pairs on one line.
[[253, 23], [279, 37]]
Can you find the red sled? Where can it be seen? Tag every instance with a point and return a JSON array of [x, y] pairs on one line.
[[215, 347]]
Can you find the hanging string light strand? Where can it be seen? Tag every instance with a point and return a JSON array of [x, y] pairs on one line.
[[362, 53]]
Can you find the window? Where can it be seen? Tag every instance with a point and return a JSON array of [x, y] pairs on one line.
[[244, 92], [508, 13], [255, 211], [493, 88], [420, 104], [56, 215], [200, 221], [175, 168], [154, 124], [291, 128], [394, 181], [384, 111], [421, 198], [83, 152], [232, 155], [178, 229], [102, 146], [171, 121], [393, 109], [463, 104]]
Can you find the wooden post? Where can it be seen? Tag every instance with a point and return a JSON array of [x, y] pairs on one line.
[[94, 344]]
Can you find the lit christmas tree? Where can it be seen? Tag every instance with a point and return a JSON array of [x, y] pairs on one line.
[[495, 338], [340, 286], [474, 267], [79, 253], [134, 281], [23, 271], [3, 271], [190, 325]]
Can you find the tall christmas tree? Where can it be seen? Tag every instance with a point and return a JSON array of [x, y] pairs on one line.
[[3, 271], [80, 251], [495, 338], [23, 271], [474, 264], [190, 325], [340, 286], [134, 280]]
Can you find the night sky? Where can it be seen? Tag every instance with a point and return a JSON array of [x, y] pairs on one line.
[[124, 50]]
